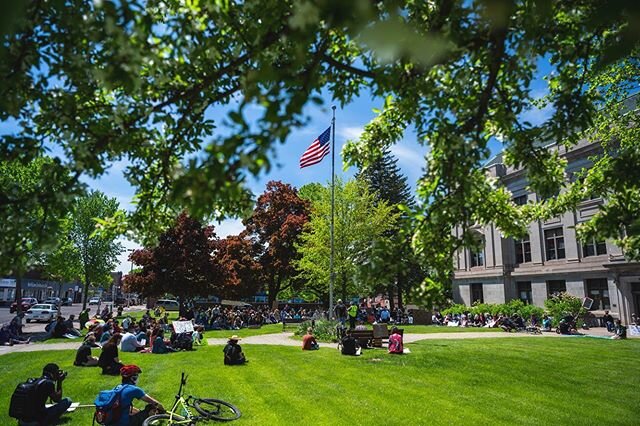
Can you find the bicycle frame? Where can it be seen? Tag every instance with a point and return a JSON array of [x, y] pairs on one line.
[[183, 403]]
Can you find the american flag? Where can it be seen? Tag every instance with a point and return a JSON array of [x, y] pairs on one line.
[[317, 150]]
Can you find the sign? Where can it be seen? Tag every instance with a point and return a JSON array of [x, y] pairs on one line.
[[182, 326], [587, 302]]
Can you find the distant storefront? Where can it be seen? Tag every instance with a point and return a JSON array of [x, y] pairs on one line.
[[40, 289]]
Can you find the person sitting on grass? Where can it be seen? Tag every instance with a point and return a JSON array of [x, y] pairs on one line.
[[109, 360], [197, 335], [9, 338], [395, 342], [131, 416], [233, 354], [70, 328], [83, 355], [309, 342], [130, 342], [546, 323], [159, 344], [49, 387], [619, 330], [349, 345]]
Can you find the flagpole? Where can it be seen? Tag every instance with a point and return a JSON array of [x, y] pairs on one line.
[[333, 156]]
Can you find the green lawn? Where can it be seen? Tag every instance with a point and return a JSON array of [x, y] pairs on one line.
[[429, 329], [537, 381]]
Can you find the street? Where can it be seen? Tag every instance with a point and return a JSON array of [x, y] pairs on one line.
[[38, 327]]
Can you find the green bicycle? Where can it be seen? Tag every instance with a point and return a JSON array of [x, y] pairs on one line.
[[181, 413]]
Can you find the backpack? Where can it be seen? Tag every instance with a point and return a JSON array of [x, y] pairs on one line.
[[183, 341], [349, 346], [24, 399], [108, 406]]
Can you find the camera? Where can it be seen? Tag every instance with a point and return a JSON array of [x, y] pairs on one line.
[[62, 375]]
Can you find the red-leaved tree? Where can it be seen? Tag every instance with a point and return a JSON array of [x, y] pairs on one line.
[[275, 227], [181, 264], [240, 269]]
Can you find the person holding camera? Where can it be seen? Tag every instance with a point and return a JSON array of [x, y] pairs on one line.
[[50, 387]]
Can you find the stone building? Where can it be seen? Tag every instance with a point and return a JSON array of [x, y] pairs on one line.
[[550, 259]]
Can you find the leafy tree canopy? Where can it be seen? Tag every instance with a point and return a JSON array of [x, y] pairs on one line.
[[181, 263], [105, 80], [98, 254], [275, 226], [360, 225]]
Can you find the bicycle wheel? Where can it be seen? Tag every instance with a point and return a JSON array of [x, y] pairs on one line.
[[216, 409], [163, 419]]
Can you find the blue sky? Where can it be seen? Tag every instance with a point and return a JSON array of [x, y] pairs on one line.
[[350, 121]]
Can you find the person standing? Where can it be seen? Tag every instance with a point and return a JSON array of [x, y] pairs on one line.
[[340, 311], [83, 318], [233, 354], [353, 315]]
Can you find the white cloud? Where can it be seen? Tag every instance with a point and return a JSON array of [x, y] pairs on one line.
[[537, 116], [350, 133], [124, 264], [411, 160], [229, 227]]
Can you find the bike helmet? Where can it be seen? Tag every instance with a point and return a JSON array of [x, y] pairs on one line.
[[130, 370]]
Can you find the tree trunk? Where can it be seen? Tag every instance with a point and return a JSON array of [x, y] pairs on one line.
[[391, 301], [18, 291], [400, 301], [86, 292]]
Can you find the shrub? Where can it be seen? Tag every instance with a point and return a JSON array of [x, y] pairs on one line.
[[324, 330], [563, 304], [515, 306]]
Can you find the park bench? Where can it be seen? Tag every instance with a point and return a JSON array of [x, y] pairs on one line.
[[380, 333], [364, 337]]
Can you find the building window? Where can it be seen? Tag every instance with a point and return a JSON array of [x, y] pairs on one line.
[[521, 200], [477, 257], [524, 291], [598, 290], [523, 250], [555, 287], [594, 248], [477, 295], [554, 243]]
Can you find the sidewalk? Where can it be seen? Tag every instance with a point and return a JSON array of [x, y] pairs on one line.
[[285, 339]]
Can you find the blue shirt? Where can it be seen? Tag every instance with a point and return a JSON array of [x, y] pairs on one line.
[[129, 393]]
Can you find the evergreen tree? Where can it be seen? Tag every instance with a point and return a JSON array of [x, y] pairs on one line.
[[393, 262], [383, 177]]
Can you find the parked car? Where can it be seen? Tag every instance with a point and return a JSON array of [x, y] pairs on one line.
[[42, 312], [26, 303], [53, 301], [94, 301], [67, 301], [168, 304]]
